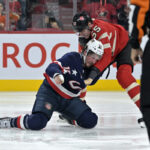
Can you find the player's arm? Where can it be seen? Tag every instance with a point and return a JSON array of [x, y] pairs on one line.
[[55, 71], [139, 16], [104, 61], [139, 11]]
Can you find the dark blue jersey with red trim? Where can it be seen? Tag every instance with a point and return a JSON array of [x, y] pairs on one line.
[[71, 67]]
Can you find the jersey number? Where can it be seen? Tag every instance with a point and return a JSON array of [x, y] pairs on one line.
[[95, 29]]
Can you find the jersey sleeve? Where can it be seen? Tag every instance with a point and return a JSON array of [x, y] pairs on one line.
[[62, 65], [83, 94], [54, 69], [106, 58], [138, 11]]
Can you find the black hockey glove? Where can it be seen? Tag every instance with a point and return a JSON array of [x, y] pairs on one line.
[[94, 73]]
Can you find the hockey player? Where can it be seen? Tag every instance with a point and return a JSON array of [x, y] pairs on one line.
[[62, 90], [141, 26], [116, 49]]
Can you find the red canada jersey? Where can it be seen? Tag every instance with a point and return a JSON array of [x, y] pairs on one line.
[[114, 38]]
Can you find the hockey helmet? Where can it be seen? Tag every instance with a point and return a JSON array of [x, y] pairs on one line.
[[80, 21], [95, 46]]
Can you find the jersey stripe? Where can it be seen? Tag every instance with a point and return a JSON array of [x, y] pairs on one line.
[[22, 122], [138, 17], [131, 16], [59, 64], [136, 98], [18, 122], [107, 45], [133, 85], [114, 44], [60, 89], [104, 35]]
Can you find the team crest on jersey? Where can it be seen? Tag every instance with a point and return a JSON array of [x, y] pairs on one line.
[[48, 106]]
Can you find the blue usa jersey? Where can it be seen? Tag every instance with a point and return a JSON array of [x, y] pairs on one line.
[[70, 66]]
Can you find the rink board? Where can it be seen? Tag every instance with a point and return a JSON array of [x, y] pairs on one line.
[[25, 56], [33, 85]]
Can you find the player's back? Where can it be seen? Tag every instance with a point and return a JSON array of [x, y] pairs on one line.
[[115, 33]]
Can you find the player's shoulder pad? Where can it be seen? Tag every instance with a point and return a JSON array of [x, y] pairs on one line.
[[74, 54]]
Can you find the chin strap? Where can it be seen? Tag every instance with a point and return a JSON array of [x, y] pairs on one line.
[[83, 56]]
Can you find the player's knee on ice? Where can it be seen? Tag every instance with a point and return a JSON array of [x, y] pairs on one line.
[[37, 121], [87, 119]]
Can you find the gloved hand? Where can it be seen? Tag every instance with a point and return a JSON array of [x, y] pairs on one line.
[[88, 81], [136, 55]]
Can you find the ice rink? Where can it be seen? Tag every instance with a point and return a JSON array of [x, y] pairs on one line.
[[117, 128]]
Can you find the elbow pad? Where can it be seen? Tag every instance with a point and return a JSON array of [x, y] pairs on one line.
[[94, 73]]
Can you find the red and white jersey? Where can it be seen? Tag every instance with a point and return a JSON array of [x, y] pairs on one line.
[[114, 38]]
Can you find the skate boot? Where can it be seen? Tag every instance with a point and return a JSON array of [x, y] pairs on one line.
[[67, 119], [141, 122], [5, 122]]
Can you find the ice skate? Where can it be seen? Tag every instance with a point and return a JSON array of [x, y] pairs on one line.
[[141, 122], [5, 122], [66, 119]]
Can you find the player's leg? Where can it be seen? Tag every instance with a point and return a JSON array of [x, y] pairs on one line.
[[78, 112], [87, 119], [33, 121], [125, 77], [128, 82], [44, 106]]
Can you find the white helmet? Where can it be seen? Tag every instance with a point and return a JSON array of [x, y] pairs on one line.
[[95, 46]]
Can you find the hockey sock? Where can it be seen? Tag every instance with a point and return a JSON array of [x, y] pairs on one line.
[[20, 122], [34, 121], [128, 82]]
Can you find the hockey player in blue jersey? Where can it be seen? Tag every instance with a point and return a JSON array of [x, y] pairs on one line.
[[62, 90]]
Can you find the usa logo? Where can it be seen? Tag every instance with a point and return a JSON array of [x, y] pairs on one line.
[[48, 106]]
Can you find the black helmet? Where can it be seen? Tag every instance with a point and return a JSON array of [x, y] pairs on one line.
[[80, 21]]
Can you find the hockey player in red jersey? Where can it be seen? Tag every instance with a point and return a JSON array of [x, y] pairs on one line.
[[116, 49]]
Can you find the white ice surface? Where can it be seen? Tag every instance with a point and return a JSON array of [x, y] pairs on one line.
[[117, 128]]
